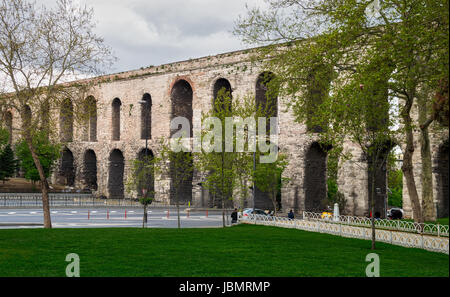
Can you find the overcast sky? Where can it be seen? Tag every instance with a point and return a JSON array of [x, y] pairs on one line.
[[154, 32]]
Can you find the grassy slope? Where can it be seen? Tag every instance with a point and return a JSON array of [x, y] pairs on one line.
[[238, 251]]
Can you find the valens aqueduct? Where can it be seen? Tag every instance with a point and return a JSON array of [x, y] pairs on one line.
[[98, 154]]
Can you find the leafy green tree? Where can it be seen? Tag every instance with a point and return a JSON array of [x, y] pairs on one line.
[[268, 177], [220, 179], [8, 164], [41, 48], [47, 152], [404, 42], [142, 178], [395, 181], [175, 159], [4, 136]]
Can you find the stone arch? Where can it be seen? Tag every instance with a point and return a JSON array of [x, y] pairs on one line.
[[67, 168], [181, 97], [442, 180], [315, 179], [148, 182], [220, 84], [146, 117], [90, 122], [116, 174], [66, 121], [9, 125], [116, 104], [90, 170]]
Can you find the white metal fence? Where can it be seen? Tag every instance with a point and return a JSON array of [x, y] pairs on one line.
[[397, 225], [406, 239]]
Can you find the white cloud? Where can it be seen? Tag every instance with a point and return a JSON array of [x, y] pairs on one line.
[[153, 32]]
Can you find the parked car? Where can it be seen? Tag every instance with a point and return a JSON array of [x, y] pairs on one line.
[[248, 211], [395, 213]]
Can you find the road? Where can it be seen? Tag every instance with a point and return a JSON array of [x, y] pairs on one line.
[[105, 218]]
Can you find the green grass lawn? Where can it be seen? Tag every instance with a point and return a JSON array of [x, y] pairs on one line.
[[243, 250]]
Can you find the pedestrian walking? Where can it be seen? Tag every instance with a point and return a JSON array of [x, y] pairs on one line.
[[234, 216], [291, 215]]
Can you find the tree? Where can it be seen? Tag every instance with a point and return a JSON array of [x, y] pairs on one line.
[[181, 166], [142, 179], [40, 49], [404, 41], [8, 164], [47, 152], [220, 179], [268, 178]]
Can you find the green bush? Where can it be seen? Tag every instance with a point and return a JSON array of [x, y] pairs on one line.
[[47, 152]]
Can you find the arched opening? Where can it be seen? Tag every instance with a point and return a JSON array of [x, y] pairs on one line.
[[224, 86], [116, 169], [315, 181], [9, 125], [442, 181], [181, 97], [377, 178], [90, 122], [27, 116], [45, 116], [181, 177], [146, 117], [266, 99], [147, 182], [66, 121], [116, 119], [318, 87], [266, 96], [90, 170], [67, 169]]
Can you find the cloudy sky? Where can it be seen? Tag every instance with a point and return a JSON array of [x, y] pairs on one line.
[[154, 32]]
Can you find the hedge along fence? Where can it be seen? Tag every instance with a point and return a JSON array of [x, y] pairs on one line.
[[414, 240]]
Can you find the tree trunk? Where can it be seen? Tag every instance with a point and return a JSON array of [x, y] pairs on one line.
[[426, 173], [372, 193], [44, 185], [407, 166]]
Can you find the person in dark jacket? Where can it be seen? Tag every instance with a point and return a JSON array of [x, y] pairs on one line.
[[291, 215], [234, 216]]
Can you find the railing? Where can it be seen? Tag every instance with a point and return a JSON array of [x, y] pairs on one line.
[[29, 200], [397, 225], [427, 242]]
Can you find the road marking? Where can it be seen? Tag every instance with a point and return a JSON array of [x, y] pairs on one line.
[[33, 212], [74, 212], [11, 212]]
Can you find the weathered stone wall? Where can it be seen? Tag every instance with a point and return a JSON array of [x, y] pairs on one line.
[[202, 74]]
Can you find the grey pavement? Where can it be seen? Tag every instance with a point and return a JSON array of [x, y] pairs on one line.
[[105, 218]]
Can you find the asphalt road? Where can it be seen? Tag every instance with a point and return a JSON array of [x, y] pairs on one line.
[[105, 218]]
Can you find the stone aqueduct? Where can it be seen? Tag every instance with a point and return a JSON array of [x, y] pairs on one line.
[[99, 154]]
